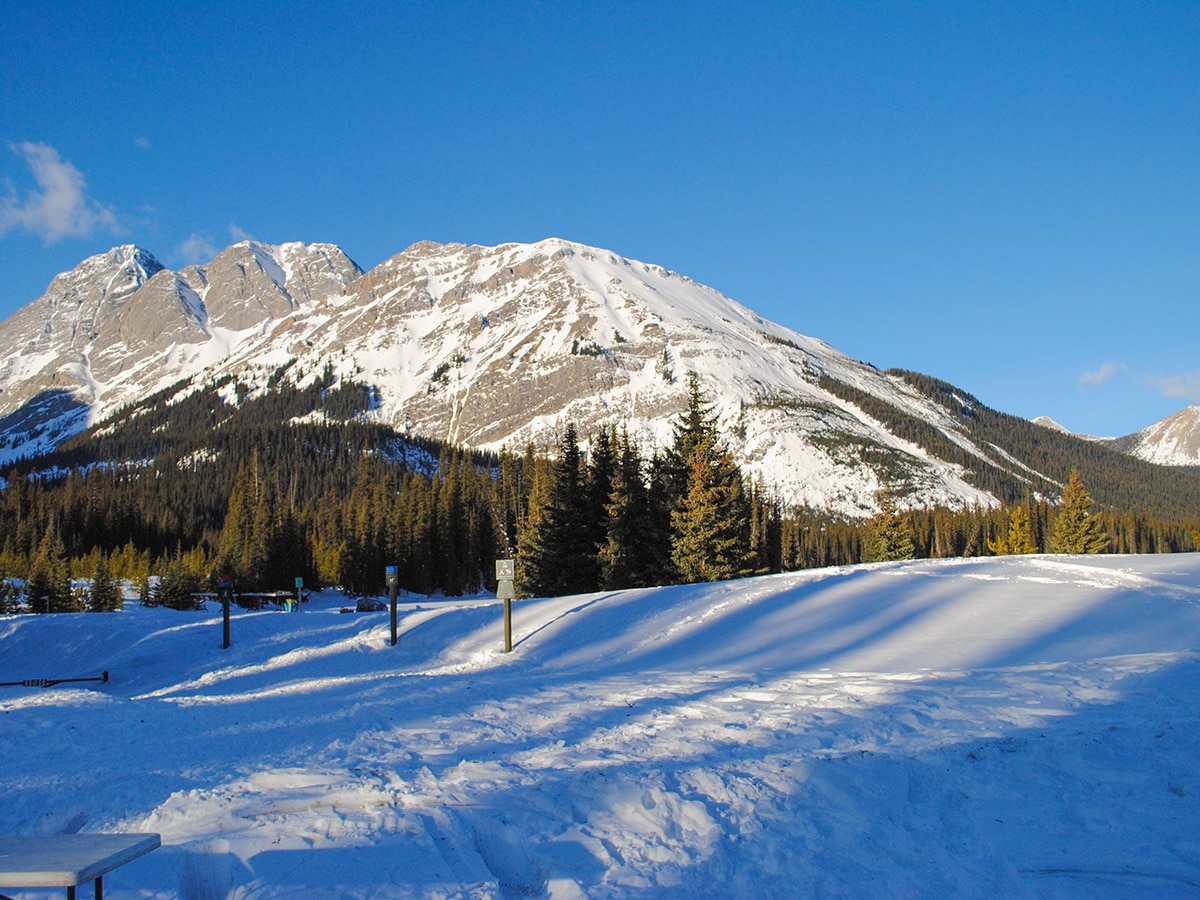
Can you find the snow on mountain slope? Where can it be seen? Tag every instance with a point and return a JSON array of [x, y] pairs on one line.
[[1173, 441], [1015, 727], [506, 345], [488, 346], [1047, 422], [120, 327]]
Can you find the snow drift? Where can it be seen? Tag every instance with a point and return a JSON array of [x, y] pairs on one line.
[[1012, 727]]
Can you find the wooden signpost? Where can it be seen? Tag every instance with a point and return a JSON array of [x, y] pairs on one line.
[[506, 590]]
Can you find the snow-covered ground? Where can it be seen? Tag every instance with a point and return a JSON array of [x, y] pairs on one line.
[[1018, 727]]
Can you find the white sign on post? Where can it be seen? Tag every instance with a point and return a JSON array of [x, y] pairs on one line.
[[506, 571]]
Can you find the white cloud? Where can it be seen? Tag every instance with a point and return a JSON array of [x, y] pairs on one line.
[[197, 249], [143, 143], [239, 234], [1102, 375], [60, 206], [1186, 386]]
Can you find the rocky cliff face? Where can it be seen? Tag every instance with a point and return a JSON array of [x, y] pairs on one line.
[[484, 346], [120, 325]]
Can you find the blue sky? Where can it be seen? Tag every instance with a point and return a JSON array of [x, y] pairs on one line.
[[1004, 196]]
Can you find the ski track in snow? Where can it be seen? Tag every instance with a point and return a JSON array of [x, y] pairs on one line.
[[1020, 727]]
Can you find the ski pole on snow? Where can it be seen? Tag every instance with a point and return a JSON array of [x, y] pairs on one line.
[[51, 682]]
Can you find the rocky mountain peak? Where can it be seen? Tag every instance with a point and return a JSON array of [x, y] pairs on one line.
[[1173, 441], [490, 347]]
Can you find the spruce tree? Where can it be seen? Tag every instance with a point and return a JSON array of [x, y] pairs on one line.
[[533, 555], [1075, 529], [766, 531], [449, 529], [601, 475], [8, 596], [710, 524], [634, 545], [1017, 540], [509, 493], [176, 586], [105, 595], [237, 534], [661, 500], [48, 588], [888, 536], [562, 558]]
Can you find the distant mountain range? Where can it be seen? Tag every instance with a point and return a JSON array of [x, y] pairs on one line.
[[1173, 441], [493, 346]]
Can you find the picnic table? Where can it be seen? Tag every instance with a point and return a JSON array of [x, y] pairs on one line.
[[68, 860]]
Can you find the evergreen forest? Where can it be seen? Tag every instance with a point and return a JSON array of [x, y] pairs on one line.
[[203, 483]]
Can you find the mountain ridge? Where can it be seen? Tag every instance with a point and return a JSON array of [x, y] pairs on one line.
[[485, 346], [1171, 441]]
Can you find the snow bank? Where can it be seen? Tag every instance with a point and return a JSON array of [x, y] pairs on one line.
[[1013, 727]]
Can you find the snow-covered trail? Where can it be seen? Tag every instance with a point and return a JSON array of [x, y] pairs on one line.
[[1021, 727]]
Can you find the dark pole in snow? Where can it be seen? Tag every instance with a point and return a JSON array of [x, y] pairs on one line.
[[225, 590], [393, 583], [51, 682], [508, 625]]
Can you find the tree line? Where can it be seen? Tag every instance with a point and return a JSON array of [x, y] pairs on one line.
[[255, 490]]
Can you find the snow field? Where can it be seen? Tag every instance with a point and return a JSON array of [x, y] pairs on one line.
[[1019, 727]]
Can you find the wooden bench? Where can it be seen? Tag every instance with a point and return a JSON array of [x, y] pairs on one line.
[[68, 860]]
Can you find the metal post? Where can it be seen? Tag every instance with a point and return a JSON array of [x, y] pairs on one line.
[[393, 583], [299, 592], [225, 592], [508, 625]]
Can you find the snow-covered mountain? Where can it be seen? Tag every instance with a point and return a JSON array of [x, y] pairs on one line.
[[485, 346], [120, 326], [1173, 441], [1047, 422]]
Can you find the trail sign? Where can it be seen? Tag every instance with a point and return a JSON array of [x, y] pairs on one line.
[[506, 572]]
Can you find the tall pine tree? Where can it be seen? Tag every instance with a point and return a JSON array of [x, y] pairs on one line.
[[1017, 539], [636, 544], [888, 536], [1075, 529], [710, 525], [533, 555], [105, 595], [563, 556], [48, 588]]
